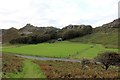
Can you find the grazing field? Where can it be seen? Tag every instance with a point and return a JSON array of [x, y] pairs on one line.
[[63, 49], [109, 39]]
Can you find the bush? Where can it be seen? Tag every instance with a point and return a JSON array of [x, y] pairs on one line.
[[85, 62], [108, 59], [76, 31], [34, 39]]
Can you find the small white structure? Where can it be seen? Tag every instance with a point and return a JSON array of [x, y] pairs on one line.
[[59, 39]]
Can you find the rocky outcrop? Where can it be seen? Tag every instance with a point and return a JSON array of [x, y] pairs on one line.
[[77, 26], [113, 26], [29, 29]]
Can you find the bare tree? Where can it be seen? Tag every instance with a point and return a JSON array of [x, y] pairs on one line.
[[108, 59]]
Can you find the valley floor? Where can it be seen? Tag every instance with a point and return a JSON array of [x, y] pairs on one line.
[[56, 60], [63, 49]]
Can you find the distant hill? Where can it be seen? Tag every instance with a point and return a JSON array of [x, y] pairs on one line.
[[27, 30], [9, 34], [106, 34], [53, 32], [109, 27], [30, 29], [76, 26]]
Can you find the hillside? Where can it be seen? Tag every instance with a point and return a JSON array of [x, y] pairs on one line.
[[0, 36], [106, 34], [30, 29], [9, 34], [107, 39], [27, 30], [33, 34]]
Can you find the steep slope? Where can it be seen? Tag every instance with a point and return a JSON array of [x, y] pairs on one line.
[[27, 30], [30, 29], [9, 34], [106, 34]]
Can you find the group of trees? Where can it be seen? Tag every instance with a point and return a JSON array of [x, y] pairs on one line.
[[53, 34], [77, 31], [34, 39]]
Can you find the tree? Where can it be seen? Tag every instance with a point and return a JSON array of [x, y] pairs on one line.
[[33, 39], [69, 34], [108, 59], [73, 31]]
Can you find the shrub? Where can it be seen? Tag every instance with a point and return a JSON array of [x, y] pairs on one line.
[[85, 62], [34, 39], [108, 59]]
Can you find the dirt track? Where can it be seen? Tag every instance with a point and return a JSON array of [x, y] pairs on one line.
[[51, 59]]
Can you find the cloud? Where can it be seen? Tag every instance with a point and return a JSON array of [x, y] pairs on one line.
[[58, 13]]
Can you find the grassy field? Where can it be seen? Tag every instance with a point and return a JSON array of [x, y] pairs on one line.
[[24, 68], [30, 70], [63, 49], [109, 39]]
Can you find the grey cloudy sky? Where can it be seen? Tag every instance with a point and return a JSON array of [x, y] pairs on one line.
[[57, 13]]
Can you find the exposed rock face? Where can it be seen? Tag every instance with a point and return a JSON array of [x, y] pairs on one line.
[[109, 27], [29, 29], [77, 26], [13, 33], [114, 24], [83, 29]]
